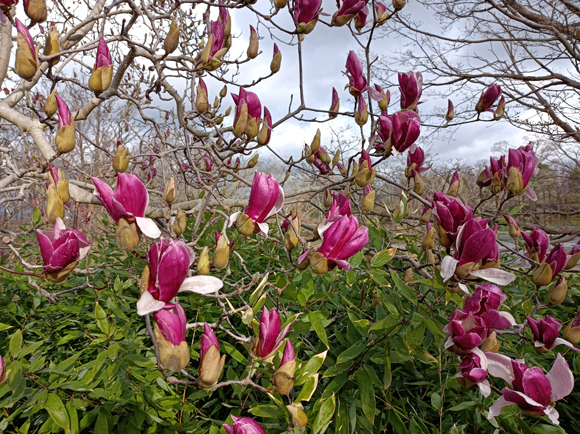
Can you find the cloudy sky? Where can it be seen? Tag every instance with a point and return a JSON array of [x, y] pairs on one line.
[[325, 52]]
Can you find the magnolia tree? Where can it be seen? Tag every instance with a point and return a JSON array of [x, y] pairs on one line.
[[192, 293]]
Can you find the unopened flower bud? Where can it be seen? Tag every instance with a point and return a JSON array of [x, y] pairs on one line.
[[491, 343], [572, 261], [203, 262], [318, 263], [26, 63], [481, 179], [496, 184], [172, 39], [418, 184], [211, 365], [201, 101], [65, 137], [36, 10], [276, 60], [429, 238], [399, 4], [336, 158], [572, 331], [515, 182], [283, 378], [254, 44], [54, 204], [385, 100], [127, 235], [180, 222], [368, 202], [102, 74], [172, 357], [253, 161], [170, 191], [121, 161], [543, 275], [514, 229], [299, 418], [315, 142], [52, 46], [558, 293], [221, 257], [224, 91], [242, 122], [50, 104], [280, 4], [291, 235]]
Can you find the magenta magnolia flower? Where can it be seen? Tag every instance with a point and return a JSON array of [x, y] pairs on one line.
[[450, 111], [319, 162], [474, 243], [172, 323], [266, 199], [104, 58], [129, 201], [218, 40], [288, 355], [306, 14], [340, 206], [169, 261], [557, 259], [468, 330], [360, 20], [347, 11], [415, 160], [243, 425], [357, 80], [399, 131], [61, 247], [531, 390], [488, 98], [335, 105], [411, 87], [341, 238], [495, 172], [484, 298], [450, 213], [524, 161], [269, 337], [64, 116], [251, 100], [536, 244], [546, 333], [207, 340], [473, 368]]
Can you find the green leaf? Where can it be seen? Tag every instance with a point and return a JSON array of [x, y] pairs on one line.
[[404, 290], [367, 394], [268, 411], [436, 401], [101, 318], [308, 389], [351, 352], [308, 369], [30, 349], [57, 411], [36, 216], [74, 419], [461, 406], [15, 343], [229, 348], [388, 377], [397, 423], [386, 323], [316, 320], [378, 277], [4, 327], [102, 424], [324, 416], [351, 277], [356, 259], [383, 257]]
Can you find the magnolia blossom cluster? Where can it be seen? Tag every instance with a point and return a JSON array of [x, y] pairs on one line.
[[472, 336], [515, 175]]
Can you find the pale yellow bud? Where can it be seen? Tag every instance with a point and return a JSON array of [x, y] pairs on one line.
[[221, 256], [558, 293], [65, 138], [543, 275], [52, 46], [127, 235], [315, 142], [121, 161], [203, 262], [336, 158], [170, 192], [180, 222], [368, 202], [172, 357], [54, 204], [50, 105], [36, 10], [172, 39], [211, 366], [299, 418], [254, 45], [253, 161]]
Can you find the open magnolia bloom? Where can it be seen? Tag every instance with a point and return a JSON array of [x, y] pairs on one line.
[[129, 202], [166, 275], [531, 390], [473, 371], [61, 250], [243, 425], [266, 199], [546, 332], [475, 242]]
